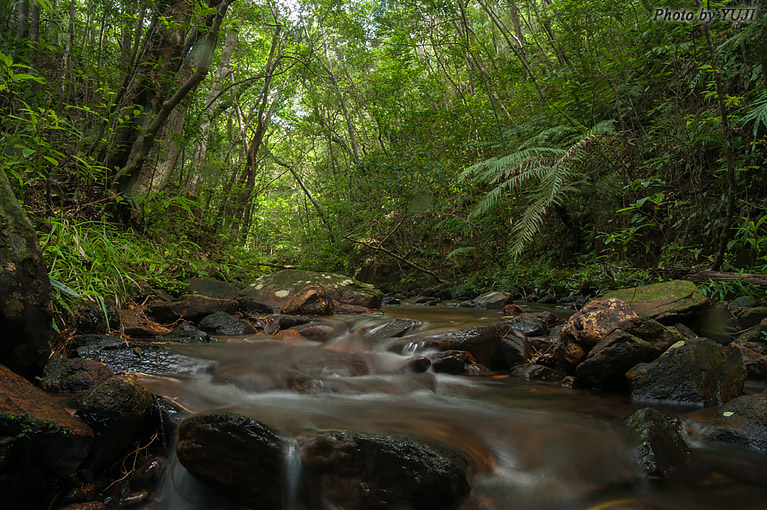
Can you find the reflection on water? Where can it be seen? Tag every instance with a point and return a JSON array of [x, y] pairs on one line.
[[534, 446]]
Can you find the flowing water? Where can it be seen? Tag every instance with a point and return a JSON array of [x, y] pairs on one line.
[[535, 445]]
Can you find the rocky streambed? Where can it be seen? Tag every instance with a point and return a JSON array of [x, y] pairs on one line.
[[217, 400]]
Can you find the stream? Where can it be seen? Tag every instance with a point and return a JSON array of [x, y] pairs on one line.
[[535, 445]]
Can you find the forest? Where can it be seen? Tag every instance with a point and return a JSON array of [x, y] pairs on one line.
[[405, 254], [546, 145]]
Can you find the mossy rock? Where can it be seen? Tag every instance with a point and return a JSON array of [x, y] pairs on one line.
[[276, 289], [25, 291], [36, 434], [666, 302]]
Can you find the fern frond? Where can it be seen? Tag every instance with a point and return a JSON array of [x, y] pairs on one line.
[[757, 113]]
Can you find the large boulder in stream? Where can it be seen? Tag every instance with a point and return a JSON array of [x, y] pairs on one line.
[[39, 442], [636, 340], [666, 302], [694, 372], [481, 341], [587, 327], [25, 291], [492, 300], [339, 469], [276, 289]]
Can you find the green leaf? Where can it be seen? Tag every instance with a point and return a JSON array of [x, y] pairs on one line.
[[63, 288]]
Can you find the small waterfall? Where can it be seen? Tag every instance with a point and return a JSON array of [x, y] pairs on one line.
[[291, 475]]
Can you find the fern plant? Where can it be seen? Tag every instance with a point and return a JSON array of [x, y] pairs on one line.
[[545, 175]]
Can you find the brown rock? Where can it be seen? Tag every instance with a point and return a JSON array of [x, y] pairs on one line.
[[595, 321], [64, 374], [310, 300]]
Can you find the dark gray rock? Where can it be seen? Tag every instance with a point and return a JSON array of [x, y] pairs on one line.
[[451, 362], [150, 358], [528, 324], [750, 317], [695, 372], [275, 323], [221, 323], [660, 443], [187, 333], [608, 361], [740, 422], [62, 374], [355, 471], [236, 453], [117, 410], [743, 302]]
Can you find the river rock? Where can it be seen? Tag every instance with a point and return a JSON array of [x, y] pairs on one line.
[[25, 290], [311, 300], [512, 349], [276, 289], [535, 372], [528, 324], [416, 365], [355, 471], [117, 410], [275, 323], [221, 323], [587, 327], [319, 331], [393, 328], [633, 341], [36, 434], [492, 300], [90, 319], [234, 452], [147, 357], [750, 317], [451, 362], [740, 422], [190, 307], [187, 333], [696, 372], [209, 287], [666, 302], [480, 341], [65, 374], [660, 442]]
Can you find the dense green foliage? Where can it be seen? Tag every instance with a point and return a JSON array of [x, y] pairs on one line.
[[551, 144]]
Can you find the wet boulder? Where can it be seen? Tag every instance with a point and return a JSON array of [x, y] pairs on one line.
[[275, 323], [529, 324], [637, 340], [276, 289], [587, 327], [221, 323], [187, 333], [480, 341], [666, 302], [694, 372], [190, 307], [311, 300], [319, 331], [239, 454], [356, 471], [740, 422], [25, 310], [147, 357], [661, 448], [492, 300], [63, 374], [512, 349], [416, 365], [36, 434], [117, 410]]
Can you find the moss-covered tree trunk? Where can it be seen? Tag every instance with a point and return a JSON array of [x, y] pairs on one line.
[[25, 292]]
